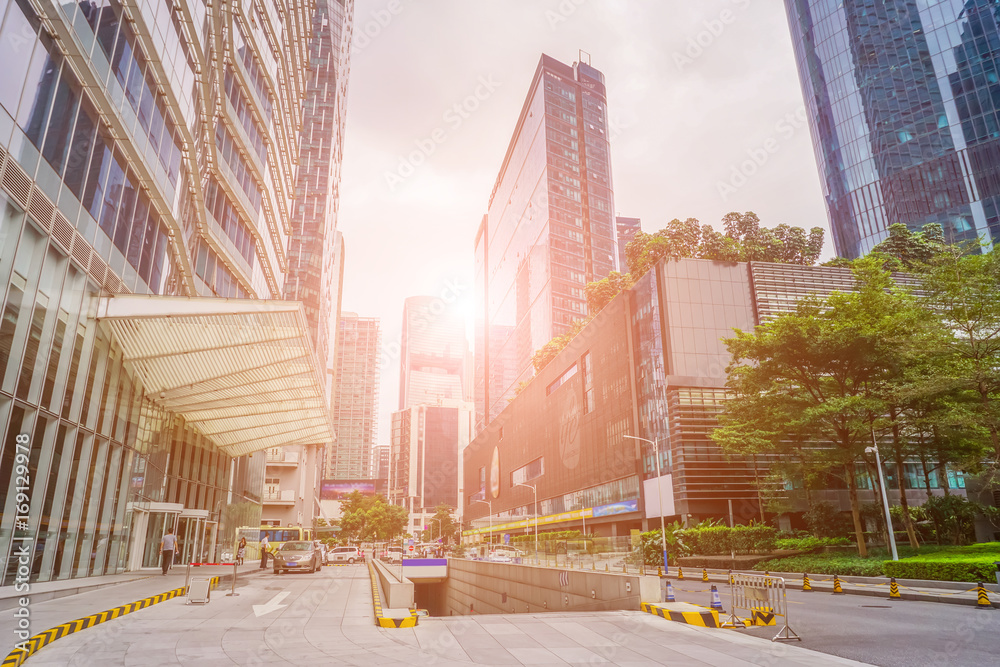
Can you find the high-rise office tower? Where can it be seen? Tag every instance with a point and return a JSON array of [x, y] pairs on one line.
[[355, 405], [549, 229], [148, 151], [902, 101], [312, 243], [626, 228], [433, 352]]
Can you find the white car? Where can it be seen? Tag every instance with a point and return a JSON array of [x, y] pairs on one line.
[[394, 554], [500, 557], [349, 555]]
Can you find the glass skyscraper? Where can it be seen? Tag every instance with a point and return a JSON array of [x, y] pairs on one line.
[[433, 352], [903, 99], [148, 158], [549, 230]]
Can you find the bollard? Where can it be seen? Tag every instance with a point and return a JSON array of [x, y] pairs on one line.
[[232, 593], [680, 572], [837, 590], [607, 567], [806, 585], [593, 565], [670, 593], [894, 589], [704, 574], [716, 600], [624, 568], [732, 579], [982, 599], [659, 571]]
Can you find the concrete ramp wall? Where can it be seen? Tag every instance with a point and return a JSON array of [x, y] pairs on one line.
[[481, 587]]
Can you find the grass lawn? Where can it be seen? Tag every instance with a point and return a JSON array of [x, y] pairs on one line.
[[970, 563]]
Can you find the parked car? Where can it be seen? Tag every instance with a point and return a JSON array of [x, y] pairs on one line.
[[323, 552], [297, 556], [393, 554], [350, 555]]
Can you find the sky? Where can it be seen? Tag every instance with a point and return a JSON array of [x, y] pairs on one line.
[[703, 98]]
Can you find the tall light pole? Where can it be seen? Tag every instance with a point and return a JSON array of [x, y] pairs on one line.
[[438, 519], [885, 495], [490, 505], [534, 489], [659, 497]]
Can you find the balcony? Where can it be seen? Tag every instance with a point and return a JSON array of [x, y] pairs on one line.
[[284, 497], [283, 459]]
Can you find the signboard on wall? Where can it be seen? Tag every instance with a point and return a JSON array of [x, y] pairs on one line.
[[659, 491], [617, 508], [338, 489]]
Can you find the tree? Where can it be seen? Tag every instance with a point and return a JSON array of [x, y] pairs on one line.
[[912, 250], [964, 293], [542, 357], [820, 373], [744, 241], [442, 526], [371, 518], [601, 292]]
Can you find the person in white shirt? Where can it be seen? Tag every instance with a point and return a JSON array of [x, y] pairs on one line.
[[167, 546], [263, 551]]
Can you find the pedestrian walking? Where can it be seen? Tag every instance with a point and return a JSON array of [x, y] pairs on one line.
[[167, 546], [263, 551], [241, 551]]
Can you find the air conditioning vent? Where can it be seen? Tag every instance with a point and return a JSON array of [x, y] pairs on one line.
[[41, 209], [81, 252], [16, 183]]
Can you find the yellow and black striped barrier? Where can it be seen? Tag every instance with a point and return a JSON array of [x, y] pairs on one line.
[[704, 619], [704, 574], [17, 657], [982, 598], [837, 588], [680, 572], [806, 584], [380, 620], [894, 589]]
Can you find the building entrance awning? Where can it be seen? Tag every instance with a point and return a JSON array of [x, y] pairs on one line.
[[243, 372]]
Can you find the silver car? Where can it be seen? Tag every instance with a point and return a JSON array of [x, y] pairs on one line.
[[297, 556], [350, 555]]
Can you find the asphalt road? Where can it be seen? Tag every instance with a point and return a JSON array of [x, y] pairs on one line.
[[897, 633]]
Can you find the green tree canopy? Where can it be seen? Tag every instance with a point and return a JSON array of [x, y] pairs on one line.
[[371, 518], [442, 526]]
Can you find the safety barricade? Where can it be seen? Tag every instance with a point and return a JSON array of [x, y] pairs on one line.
[[764, 600]]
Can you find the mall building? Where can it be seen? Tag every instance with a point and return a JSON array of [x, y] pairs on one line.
[[651, 365], [147, 357]]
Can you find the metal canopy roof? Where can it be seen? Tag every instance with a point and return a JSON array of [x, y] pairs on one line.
[[243, 372]]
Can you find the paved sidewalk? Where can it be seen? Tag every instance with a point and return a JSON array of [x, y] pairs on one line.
[[52, 612], [327, 619]]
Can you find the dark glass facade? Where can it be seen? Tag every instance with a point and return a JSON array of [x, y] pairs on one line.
[[433, 352], [549, 230], [903, 99]]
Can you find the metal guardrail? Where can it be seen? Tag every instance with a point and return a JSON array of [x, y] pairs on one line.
[[764, 598]]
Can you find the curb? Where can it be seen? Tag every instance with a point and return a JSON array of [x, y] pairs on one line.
[[17, 657], [380, 620], [703, 619]]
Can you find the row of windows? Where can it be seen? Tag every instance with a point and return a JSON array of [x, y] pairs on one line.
[[216, 274], [256, 76], [230, 152], [245, 115], [218, 203], [117, 40]]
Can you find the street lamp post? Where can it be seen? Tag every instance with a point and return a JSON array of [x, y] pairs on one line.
[[490, 505], [438, 519], [534, 489], [659, 498], [885, 495]]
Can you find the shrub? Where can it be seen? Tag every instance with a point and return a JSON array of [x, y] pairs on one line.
[[971, 570], [846, 564], [825, 520], [809, 543]]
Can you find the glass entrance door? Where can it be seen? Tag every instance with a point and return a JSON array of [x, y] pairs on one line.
[[156, 527]]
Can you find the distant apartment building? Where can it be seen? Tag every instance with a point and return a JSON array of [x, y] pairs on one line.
[[355, 406], [148, 156], [651, 364], [626, 229], [425, 461], [548, 231], [380, 461], [434, 352]]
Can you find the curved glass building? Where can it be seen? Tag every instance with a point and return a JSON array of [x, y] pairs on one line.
[[903, 97]]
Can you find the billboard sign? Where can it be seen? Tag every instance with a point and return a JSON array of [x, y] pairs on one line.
[[338, 489]]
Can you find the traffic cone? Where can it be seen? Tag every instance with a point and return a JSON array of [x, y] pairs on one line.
[[982, 599], [806, 585], [894, 589], [837, 590], [659, 571], [716, 600], [680, 572], [670, 593], [704, 574], [607, 567]]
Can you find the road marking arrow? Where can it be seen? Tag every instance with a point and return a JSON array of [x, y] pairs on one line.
[[272, 605]]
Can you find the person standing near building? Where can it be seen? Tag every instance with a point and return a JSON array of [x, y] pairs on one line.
[[167, 546], [241, 551], [263, 551]]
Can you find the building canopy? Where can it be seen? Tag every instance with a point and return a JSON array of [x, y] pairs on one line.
[[243, 372]]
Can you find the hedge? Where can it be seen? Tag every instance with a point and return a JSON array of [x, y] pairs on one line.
[[971, 570], [723, 540]]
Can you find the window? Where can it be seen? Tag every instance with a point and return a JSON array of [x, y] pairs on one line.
[[570, 372], [528, 472]]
